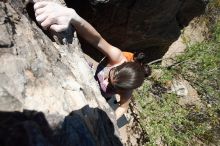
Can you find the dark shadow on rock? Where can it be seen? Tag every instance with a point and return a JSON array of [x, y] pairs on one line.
[[189, 10], [133, 25], [84, 127]]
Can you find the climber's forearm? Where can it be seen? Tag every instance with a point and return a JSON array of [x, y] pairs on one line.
[[56, 17], [125, 99], [120, 111], [88, 32]]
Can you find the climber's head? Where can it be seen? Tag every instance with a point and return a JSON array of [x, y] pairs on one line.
[[139, 57], [128, 76]]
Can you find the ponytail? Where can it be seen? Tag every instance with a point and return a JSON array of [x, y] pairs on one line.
[[140, 57]]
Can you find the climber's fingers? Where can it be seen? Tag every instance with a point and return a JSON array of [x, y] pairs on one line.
[[58, 28], [41, 18], [40, 4], [50, 20], [48, 13], [39, 11]]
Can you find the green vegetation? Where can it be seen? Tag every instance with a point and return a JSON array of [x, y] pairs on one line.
[[165, 121]]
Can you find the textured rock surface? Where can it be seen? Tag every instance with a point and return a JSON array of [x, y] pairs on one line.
[[189, 95], [194, 33], [49, 77], [139, 24]]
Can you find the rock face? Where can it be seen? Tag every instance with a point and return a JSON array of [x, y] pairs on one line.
[[195, 32], [49, 79], [188, 94], [137, 25]]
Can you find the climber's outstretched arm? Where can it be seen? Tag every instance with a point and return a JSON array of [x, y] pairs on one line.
[[58, 18]]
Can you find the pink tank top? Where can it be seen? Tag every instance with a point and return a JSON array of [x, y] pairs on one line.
[[103, 81], [101, 76]]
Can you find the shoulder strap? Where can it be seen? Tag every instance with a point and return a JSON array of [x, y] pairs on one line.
[[129, 56]]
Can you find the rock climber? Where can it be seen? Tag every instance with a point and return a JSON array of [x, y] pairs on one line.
[[117, 73]]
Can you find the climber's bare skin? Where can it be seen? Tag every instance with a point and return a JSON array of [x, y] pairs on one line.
[[58, 18]]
